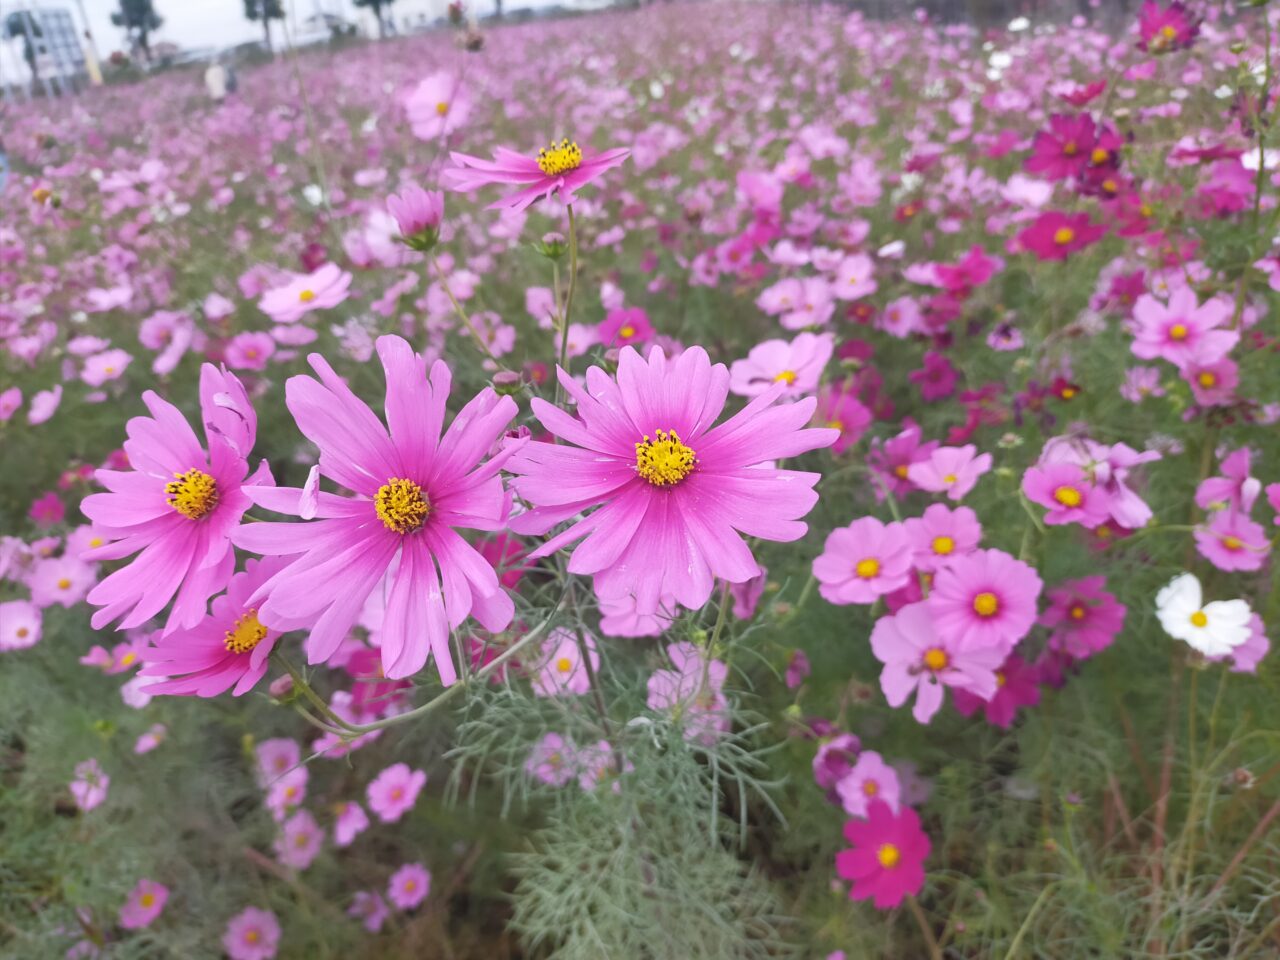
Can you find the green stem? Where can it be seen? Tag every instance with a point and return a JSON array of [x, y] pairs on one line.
[[565, 313], [462, 314]]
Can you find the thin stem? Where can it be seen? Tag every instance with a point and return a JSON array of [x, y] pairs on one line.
[[462, 314], [563, 361], [1243, 852], [931, 942], [300, 684], [1026, 924]]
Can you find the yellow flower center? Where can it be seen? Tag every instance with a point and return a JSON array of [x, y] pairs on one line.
[[23, 632], [936, 659], [1207, 379], [95, 542], [950, 478], [564, 664], [410, 886], [1178, 331], [786, 376], [245, 634], [1063, 235], [252, 936], [835, 425], [1146, 210], [401, 505], [1168, 32], [1110, 186], [1068, 393], [1198, 619], [943, 546], [193, 494], [901, 471], [1099, 155], [41, 194], [627, 332], [147, 901], [1078, 612], [888, 855], [64, 584], [867, 568], [1070, 148], [128, 659], [1001, 679], [664, 461], [1067, 496], [986, 604], [397, 794], [871, 788], [560, 158], [442, 108], [306, 296], [1232, 543]]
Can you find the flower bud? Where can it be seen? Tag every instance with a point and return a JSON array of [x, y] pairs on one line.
[[418, 213], [553, 246]]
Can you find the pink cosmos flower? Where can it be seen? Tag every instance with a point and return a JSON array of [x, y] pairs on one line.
[[10, 401], [43, 405], [151, 739], [178, 506], [798, 669], [104, 367], [562, 167], [252, 934], [145, 902], [746, 596], [230, 647], [941, 535], [1067, 492], [1055, 235], [674, 494], [854, 278], [437, 106], [90, 786], [693, 691], [276, 757], [624, 325], [249, 351], [323, 289], [47, 511], [1083, 616], [409, 886], [953, 470], [300, 841], [350, 822], [833, 760], [553, 760], [1018, 686], [619, 618], [560, 669], [1063, 149], [62, 580], [902, 317], [891, 461], [1163, 29], [412, 487], [863, 561], [1246, 656], [869, 779], [985, 599], [1184, 330], [1213, 383], [394, 791], [20, 622], [286, 792], [1231, 541], [1110, 468], [840, 409], [418, 213], [797, 365], [916, 659], [370, 909], [1234, 488], [1140, 383], [886, 862]]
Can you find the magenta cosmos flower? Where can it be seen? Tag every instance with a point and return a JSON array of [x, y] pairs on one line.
[[1083, 616], [252, 934], [1055, 236], [560, 167], [916, 659], [886, 863], [178, 506], [228, 648], [1161, 29], [674, 494], [412, 487], [985, 599]]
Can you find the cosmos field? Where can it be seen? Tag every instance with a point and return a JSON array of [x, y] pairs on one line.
[[706, 481]]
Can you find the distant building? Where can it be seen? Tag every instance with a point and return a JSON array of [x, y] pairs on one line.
[[47, 41]]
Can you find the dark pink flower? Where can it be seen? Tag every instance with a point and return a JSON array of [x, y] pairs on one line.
[[1055, 236], [886, 862], [1083, 617]]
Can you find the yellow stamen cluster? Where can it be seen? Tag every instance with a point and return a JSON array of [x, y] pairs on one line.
[[986, 604], [306, 296], [1198, 619], [193, 494], [888, 855], [1063, 235], [401, 505], [936, 659], [1178, 331], [944, 546], [442, 108], [1067, 496], [786, 376], [560, 158], [868, 568], [245, 634], [664, 461]]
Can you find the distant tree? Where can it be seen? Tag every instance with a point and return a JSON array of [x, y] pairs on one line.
[[266, 11], [25, 26], [139, 20], [377, 7]]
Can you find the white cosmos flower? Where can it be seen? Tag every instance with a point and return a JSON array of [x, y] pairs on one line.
[[1214, 628]]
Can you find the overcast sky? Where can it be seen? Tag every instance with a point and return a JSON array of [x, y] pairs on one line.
[[220, 23]]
